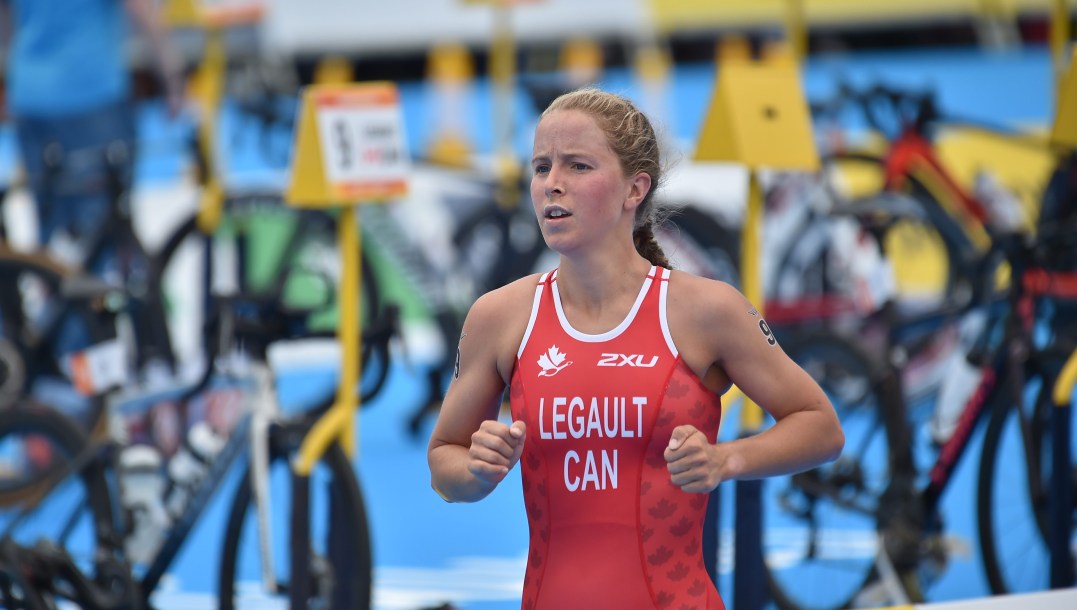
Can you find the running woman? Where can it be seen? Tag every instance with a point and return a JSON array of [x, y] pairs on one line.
[[615, 367]]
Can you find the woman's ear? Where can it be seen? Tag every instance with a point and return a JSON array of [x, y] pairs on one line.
[[638, 189]]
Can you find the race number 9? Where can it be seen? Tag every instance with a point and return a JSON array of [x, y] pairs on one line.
[[763, 326]]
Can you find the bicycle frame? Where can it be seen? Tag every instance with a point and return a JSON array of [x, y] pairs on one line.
[[1006, 369], [249, 436], [912, 154]]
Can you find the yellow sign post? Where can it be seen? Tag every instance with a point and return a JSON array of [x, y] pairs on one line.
[[1064, 130], [450, 72], [214, 17], [759, 118], [502, 70], [350, 148], [1060, 37]]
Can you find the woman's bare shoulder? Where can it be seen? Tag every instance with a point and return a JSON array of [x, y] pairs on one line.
[[702, 299], [507, 302], [497, 321], [500, 316]]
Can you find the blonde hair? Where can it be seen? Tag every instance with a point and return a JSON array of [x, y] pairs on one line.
[[632, 139]]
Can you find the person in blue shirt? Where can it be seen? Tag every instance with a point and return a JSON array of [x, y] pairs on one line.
[[68, 90]]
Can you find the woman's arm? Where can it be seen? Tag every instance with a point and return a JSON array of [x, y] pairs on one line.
[[723, 331], [470, 451]]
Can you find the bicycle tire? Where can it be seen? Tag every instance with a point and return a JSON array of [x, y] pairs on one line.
[[1013, 496], [821, 526], [341, 553], [34, 297], [33, 313], [78, 520], [22, 426], [372, 306]]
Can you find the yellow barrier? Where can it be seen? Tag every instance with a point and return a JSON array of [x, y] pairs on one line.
[[670, 15]]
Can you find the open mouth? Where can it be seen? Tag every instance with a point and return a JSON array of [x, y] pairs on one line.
[[554, 212]]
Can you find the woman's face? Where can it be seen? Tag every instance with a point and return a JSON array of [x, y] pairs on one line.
[[579, 191]]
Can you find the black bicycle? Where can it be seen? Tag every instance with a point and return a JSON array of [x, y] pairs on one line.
[[59, 322], [86, 533], [867, 530]]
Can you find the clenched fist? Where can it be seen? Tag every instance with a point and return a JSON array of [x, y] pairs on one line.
[[692, 460], [495, 449]]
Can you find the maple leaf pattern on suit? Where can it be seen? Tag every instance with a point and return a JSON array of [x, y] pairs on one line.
[[682, 527], [676, 515], [663, 510], [676, 388], [665, 599], [698, 588], [532, 461], [535, 511], [660, 556], [678, 572]]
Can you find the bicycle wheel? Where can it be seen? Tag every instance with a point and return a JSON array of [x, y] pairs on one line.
[[1014, 487], [45, 318], [820, 538], [33, 452], [287, 265], [340, 560], [70, 510]]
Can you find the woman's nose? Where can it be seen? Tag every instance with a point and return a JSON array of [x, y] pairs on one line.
[[553, 183]]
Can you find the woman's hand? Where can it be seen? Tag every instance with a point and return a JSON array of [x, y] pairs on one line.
[[693, 462], [495, 449]]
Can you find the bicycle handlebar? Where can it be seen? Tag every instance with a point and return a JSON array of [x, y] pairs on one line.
[[915, 110]]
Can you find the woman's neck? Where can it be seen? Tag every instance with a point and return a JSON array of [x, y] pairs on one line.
[[594, 287]]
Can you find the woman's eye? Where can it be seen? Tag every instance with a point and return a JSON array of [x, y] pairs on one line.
[[579, 166], [541, 169]]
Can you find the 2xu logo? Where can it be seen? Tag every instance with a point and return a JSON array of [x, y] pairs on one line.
[[637, 360]]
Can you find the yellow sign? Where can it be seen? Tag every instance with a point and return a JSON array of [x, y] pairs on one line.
[[696, 15], [758, 117], [1064, 132], [350, 146]]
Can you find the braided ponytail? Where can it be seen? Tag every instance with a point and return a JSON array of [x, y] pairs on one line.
[[648, 248]]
